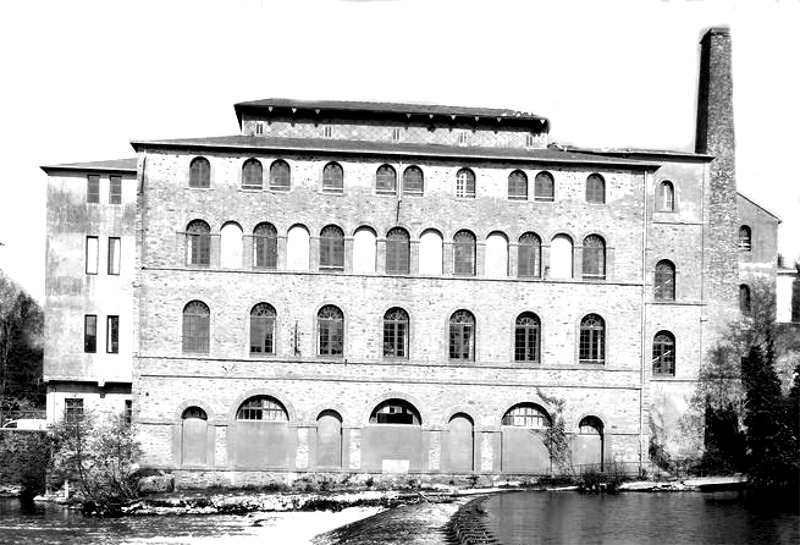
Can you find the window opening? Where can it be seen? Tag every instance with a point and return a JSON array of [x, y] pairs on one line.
[[395, 333], [331, 331], [262, 329], [112, 334], [465, 184], [462, 336]]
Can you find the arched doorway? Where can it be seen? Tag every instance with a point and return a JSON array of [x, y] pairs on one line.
[[392, 442], [329, 440], [194, 433], [589, 442], [523, 449], [260, 436], [459, 445]]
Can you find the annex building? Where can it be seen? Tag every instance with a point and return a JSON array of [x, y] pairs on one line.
[[371, 288]]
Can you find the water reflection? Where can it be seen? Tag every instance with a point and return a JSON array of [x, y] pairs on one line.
[[528, 518]]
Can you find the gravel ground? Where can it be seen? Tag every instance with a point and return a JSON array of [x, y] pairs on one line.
[[419, 524]]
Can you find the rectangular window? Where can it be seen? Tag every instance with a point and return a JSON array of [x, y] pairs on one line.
[[114, 247], [112, 334], [530, 140], [396, 135], [90, 333], [115, 190], [127, 416], [93, 189], [92, 254], [461, 342], [262, 335], [259, 128], [327, 131], [73, 410], [463, 138]]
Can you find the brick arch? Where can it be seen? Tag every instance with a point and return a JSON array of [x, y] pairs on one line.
[[453, 410], [417, 234], [375, 401], [364, 225], [193, 402], [600, 415], [317, 409], [607, 239], [528, 400], [275, 394]]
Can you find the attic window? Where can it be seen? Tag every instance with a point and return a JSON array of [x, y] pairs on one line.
[[463, 138], [259, 128], [395, 135], [327, 131], [530, 140]]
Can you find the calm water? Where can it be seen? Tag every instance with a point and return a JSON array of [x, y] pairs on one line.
[[674, 518]]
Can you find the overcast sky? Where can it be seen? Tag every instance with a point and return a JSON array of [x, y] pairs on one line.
[[82, 79]]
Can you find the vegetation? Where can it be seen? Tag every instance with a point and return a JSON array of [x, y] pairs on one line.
[[21, 324], [747, 423], [99, 454], [24, 457], [554, 435]]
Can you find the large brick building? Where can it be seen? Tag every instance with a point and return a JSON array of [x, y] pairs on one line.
[[357, 287]]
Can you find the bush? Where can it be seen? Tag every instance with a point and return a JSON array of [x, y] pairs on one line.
[[98, 453], [24, 456]]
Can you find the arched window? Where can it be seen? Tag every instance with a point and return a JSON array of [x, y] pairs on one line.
[[465, 184], [331, 248], [230, 246], [333, 178], [199, 172], [518, 186], [194, 440], [594, 257], [297, 248], [413, 181], [364, 250], [526, 337], [561, 257], [279, 176], [262, 329], [395, 333], [590, 425], [529, 256], [198, 243], [386, 180], [252, 174], [666, 196], [745, 241], [464, 253], [595, 189], [496, 255], [265, 246], [196, 326], [592, 346], [526, 415], [664, 354], [430, 252], [744, 299], [395, 411], [330, 326], [664, 281], [398, 251], [194, 412], [264, 408], [544, 188], [462, 336]]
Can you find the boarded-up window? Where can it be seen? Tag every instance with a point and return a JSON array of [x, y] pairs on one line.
[[430, 252], [561, 257], [496, 255], [92, 254], [297, 248], [364, 250], [194, 429], [230, 246], [114, 255]]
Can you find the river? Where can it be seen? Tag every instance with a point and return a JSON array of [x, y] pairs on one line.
[[637, 518]]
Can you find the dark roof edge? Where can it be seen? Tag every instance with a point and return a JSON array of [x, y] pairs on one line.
[[754, 203], [624, 163], [51, 169], [622, 152]]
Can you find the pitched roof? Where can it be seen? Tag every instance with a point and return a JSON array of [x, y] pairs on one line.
[[111, 165], [375, 109], [754, 203], [333, 146], [640, 152]]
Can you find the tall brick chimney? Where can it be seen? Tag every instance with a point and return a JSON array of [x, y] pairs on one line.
[[715, 136]]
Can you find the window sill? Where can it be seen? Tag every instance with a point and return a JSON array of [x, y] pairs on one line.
[[261, 355], [338, 192], [331, 269], [386, 193], [465, 197], [200, 188], [251, 188], [518, 199], [593, 363], [543, 200], [662, 377], [280, 189], [413, 194]]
